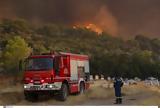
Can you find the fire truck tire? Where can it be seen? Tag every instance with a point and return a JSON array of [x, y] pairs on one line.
[[31, 96], [82, 88], [63, 92]]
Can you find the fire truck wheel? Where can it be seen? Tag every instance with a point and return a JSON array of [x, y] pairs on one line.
[[31, 96], [82, 88], [63, 92]]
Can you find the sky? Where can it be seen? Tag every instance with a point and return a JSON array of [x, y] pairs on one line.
[[123, 18]]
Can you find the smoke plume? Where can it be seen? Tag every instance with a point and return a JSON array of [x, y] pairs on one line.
[[125, 18], [105, 20]]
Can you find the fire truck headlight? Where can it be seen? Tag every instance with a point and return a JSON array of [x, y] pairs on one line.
[[50, 86], [25, 86]]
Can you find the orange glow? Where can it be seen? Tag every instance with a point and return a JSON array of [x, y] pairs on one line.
[[90, 26], [94, 28]]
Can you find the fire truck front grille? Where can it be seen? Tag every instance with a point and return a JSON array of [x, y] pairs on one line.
[[37, 83]]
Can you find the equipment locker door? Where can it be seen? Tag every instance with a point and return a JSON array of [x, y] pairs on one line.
[[74, 71]]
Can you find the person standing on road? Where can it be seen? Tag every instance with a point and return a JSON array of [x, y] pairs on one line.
[[118, 83]]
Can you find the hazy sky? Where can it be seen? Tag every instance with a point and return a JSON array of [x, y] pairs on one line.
[[125, 18]]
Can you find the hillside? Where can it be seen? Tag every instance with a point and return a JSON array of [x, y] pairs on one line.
[[135, 57]]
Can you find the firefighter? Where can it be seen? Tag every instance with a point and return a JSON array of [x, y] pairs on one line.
[[118, 83]]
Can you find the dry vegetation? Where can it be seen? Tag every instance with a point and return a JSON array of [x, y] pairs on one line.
[[154, 99]]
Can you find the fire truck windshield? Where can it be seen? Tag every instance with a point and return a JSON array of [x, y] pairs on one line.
[[39, 64]]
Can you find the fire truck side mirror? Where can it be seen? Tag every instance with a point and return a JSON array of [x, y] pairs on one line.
[[56, 70], [56, 65]]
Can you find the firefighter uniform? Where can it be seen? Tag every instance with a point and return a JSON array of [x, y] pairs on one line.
[[118, 83]]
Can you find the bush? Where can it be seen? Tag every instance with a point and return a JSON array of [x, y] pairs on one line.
[[16, 50]]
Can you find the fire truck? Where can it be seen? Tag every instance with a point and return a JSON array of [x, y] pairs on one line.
[[60, 73]]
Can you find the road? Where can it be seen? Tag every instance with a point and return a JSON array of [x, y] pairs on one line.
[[127, 100], [97, 95]]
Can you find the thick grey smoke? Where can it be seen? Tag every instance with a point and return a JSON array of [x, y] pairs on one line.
[[137, 16], [125, 18]]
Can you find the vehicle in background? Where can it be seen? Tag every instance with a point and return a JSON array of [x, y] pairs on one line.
[[132, 82], [137, 79], [151, 81]]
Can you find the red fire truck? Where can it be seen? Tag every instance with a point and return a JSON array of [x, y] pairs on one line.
[[60, 73]]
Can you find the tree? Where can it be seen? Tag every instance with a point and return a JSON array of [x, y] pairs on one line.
[[16, 50], [15, 27]]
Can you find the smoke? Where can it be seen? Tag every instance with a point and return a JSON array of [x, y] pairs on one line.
[[64, 11], [125, 18], [136, 17], [5, 11], [102, 19], [105, 20]]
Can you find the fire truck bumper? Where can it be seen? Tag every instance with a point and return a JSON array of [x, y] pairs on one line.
[[45, 86]]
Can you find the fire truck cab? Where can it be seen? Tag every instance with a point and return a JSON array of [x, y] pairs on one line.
[[61, 73]]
